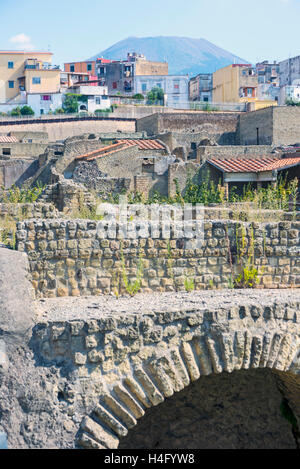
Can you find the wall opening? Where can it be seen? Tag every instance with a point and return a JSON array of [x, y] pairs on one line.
[[241, 410]]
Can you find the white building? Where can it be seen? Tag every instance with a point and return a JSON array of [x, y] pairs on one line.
[[175, 88], [45, 102], [97, 98], [289, 93]]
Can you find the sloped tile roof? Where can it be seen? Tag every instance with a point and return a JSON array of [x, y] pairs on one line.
[[121, 145], [241, 165], [283, 163], [253, 165]]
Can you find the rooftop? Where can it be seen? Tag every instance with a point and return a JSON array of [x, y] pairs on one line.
[[121, 145], [243, 165]]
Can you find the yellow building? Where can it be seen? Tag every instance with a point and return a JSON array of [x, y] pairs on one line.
[[238, 83], [29, 72]]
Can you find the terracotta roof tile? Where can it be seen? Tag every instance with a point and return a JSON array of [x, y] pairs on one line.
[[146, 144], [283, 163], [241, 165], [250, 165]]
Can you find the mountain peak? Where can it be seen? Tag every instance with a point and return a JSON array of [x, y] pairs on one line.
[[185, 55]]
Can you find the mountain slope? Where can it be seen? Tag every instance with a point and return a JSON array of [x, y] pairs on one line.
[[184, 55]]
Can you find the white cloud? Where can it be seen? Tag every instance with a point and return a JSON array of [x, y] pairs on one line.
[[22, 41]]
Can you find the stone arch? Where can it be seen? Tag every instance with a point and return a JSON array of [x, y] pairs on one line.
[[170, 370]]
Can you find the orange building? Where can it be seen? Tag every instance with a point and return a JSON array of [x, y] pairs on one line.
[[81, 67]]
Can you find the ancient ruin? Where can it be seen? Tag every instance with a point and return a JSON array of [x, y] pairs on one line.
[[175, 325]]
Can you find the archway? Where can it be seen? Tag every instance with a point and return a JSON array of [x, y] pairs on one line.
[[170, 371], [241, 410]]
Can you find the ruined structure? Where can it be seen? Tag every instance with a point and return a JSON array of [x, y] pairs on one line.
[[84, 373]]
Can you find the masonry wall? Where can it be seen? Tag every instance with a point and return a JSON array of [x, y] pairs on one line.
[[60, 130], [286, 125], [276, 126], [29, 210], [16, 171], [71, 258], [204, 152], [23, 150], [219, 124], [250, 122]]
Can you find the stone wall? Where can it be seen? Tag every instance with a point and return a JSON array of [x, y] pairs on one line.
[[238, 151], [270, 126], [210, 124], [83, 372], [23, 150], [16, 171], [62, 129], [72, 258], [29, 210]]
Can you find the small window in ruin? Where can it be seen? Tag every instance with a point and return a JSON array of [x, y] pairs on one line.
[[6, 151]]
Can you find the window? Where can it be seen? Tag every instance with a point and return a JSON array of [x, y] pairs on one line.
[[176, 86], [102, 70], [6, 151], [89, 67], [72, 68], [98, 100], [249, 92], [115, 85], [46, 97], [144, 87], [158, 85], [36, 80], [10, 65], [11, 84]]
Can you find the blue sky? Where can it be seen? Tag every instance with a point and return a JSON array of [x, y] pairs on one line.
[[78, 29]]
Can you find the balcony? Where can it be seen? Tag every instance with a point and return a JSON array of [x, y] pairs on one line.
[[32, 64]]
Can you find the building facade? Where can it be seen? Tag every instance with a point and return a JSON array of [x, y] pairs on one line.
[[175, 88], [88, 66], [29, 72], [200, 88], [236, 83], [95, 97], [289, 71], [289, 93], [119, 76]]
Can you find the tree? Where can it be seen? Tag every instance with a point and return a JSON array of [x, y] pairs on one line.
[[155, 96], [138, 96], [70, 105], [16, 111], [27, 111]]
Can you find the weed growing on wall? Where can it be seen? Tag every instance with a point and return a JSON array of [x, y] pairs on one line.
[[132, 287]]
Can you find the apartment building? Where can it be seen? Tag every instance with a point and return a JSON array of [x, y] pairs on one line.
[[119, 75], [289, 93], [27, 77], [175, 88], [268, 81], [289, 71], [238, 83], [88, 66], [200, 88], [235, 83]]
